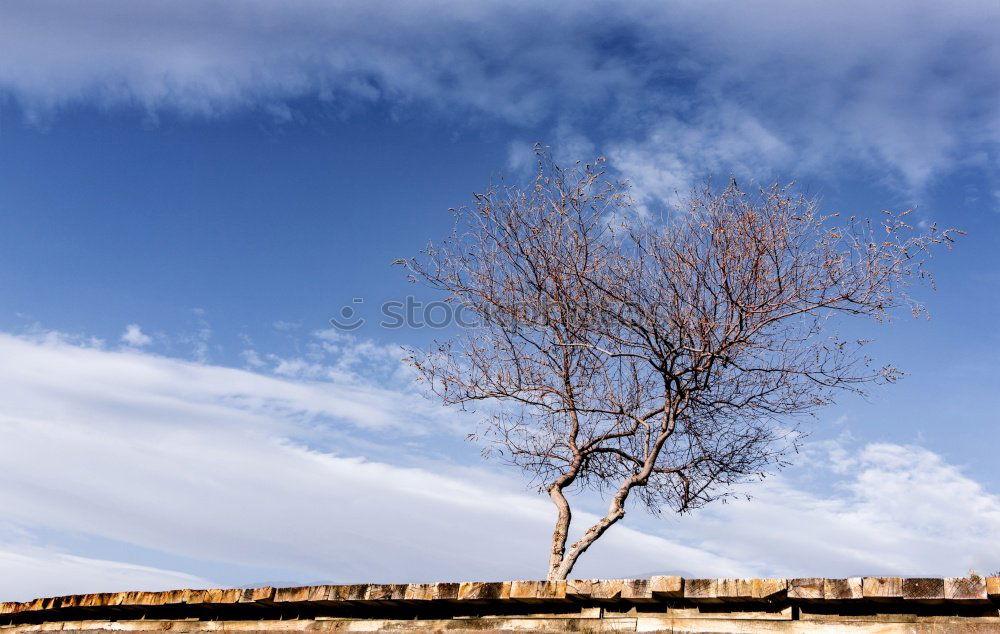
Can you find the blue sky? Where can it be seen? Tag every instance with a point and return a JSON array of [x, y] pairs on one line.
[[190, 190]]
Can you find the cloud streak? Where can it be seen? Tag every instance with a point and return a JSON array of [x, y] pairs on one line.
[[169, 458], [887, 509], [903, 91], [44, 572], [215, 472]]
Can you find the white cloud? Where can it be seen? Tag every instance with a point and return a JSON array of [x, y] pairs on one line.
[[134, 336], [904, 91], [211, 58], [176, 458], [677, 155], [520, 158], [888, 509], [199, 338], [30, 572], [222, 473], [252, 359], [90, 377]]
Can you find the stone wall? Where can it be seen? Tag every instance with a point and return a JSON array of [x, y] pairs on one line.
[[659, 604]]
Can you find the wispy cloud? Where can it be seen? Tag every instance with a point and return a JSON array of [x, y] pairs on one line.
[[904, 92], [30, 572], [223, 473], [878, 508], [180, 459], [134, 336], [89, 374]]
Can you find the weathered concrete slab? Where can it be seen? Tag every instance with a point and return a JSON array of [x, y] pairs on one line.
[[806, 588], [552, 590], [254, 595], [702, 589], [870, 604], [666, 586], [445, 591], [769, 588], [842, 589], [386, 592], [883, 587], [965, 588], [550, 624], [484, 590], [579, 588], [923, 589], [419, 592], [606, 589], [637, 591]]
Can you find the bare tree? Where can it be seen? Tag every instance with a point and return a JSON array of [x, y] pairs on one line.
[[659, 362]]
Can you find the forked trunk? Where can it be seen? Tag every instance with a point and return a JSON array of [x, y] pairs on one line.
[[559, 571], [562, 561], [559, 533]]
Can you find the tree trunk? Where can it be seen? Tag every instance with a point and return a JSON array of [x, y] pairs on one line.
[[565, 566], [561, 563], [559, 533], [616, 511]]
